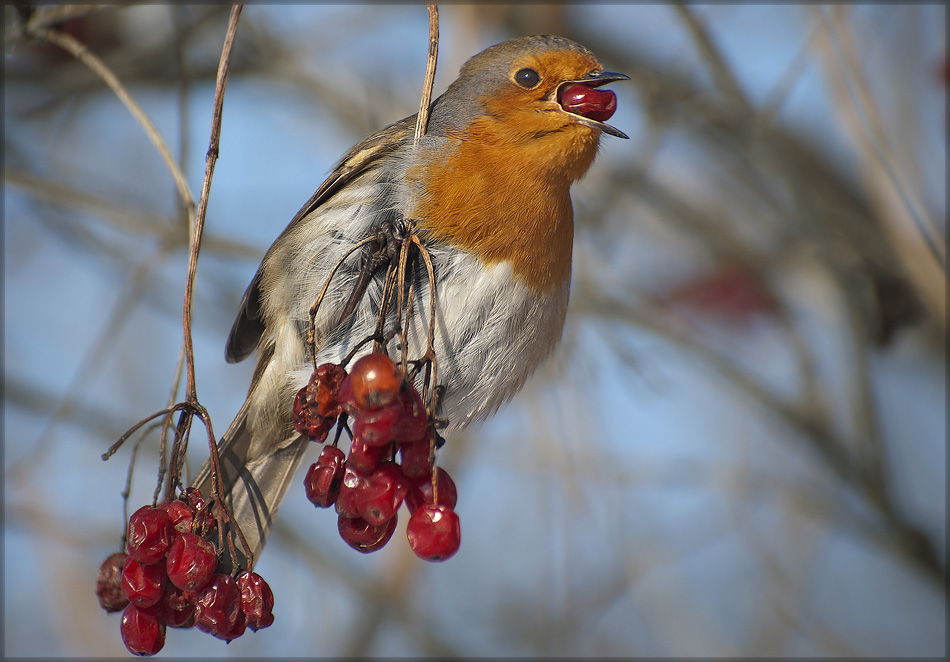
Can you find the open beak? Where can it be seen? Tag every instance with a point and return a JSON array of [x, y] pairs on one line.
[[592, 106]]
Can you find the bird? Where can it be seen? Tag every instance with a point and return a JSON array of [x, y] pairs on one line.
[[487, 190]]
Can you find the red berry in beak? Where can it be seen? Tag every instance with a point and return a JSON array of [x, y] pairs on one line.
[[597, 105]]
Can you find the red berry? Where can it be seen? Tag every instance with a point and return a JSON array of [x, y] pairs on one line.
[[150, 534], [331, 456], [109, 584], [434, 533], [327, 379], [420, 491], [191, 562], [345, 396], [415, 460], [143, 632], [142, 583], [177, 607], [193, 497], [598, 105], [316, 405], [322, 482], [378, 427], [375, 380], [218, 608], [180, 514], [363, 536], [347, 501], [382, 493], [306, 420], [413, 423], [257, 600], [363, 457]]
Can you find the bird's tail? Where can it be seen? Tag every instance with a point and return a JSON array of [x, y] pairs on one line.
[[252, 489]]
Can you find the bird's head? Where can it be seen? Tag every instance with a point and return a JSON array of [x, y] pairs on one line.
[[533, 87]]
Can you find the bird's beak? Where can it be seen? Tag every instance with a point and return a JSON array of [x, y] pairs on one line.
[[598, 78], [592, 108]]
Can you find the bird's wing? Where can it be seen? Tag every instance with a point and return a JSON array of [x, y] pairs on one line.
[[249, 325]]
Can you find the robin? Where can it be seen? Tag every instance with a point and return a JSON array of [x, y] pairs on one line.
[[487, 189]]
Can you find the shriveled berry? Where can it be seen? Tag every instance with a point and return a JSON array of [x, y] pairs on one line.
[[143, 631], [378, 427], [180, 513], [306, 420], [316, 405], [323, 480], [177, 607], [109, 583], [150, 534], [363, 536], [375, 380], [257, 600], [434, 532], [191, 562], [142, 583], [325, 383], [363, 457], [598, 105], [382, 493], [218, 608], [420, 491]]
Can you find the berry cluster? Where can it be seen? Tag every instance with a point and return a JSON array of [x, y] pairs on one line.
[[169, 577], [367, 485]]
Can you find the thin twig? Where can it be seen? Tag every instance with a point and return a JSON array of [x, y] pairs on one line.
[[922, 254], [392, 276], [212, 158], [877, 140], [314, 309], [128, 433], [78, 50], [57, 15], [403, 313], [422, 119], [127, 492], [430, 349]]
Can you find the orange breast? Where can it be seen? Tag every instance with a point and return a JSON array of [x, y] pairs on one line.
[[502, 190]]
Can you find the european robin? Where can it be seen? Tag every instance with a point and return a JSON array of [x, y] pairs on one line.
[[487, 188]]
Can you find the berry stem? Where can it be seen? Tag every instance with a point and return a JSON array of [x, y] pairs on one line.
[[312, 330], [435, 474], [422, 119]]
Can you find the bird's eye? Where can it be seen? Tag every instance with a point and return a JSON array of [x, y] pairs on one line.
[[527, 78]]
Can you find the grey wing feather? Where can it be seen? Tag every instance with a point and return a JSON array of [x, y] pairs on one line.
[[249, 325]]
